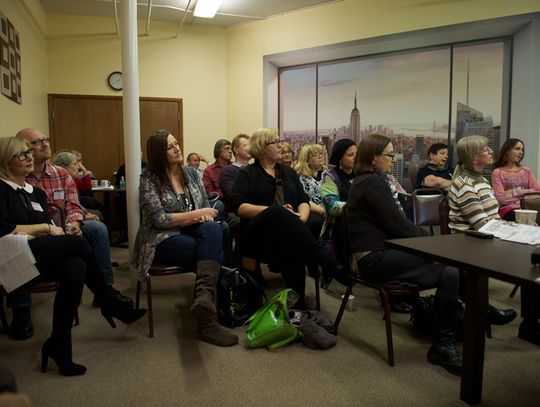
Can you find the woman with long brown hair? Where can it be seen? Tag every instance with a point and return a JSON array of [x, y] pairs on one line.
[[178, 228]]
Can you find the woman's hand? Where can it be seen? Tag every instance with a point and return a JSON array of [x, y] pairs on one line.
[[91, 216], [205, 214], [56, 231]]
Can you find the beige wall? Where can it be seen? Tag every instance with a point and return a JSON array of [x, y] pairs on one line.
[[28, 18], [84, 50], [334, 23]]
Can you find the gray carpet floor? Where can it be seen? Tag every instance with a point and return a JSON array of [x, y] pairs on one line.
[[127, 368]]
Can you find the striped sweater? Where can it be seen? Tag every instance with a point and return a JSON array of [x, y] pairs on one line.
[[472, 202]]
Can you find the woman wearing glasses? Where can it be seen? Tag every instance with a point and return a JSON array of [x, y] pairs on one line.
[[66, 259], [472, 204], [178, 227], [273, 207], [375, 215], [287, 155]]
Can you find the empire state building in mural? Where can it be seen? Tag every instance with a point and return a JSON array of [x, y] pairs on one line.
[[354, 123]]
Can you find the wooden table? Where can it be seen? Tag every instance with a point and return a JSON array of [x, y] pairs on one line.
[[480, 259]]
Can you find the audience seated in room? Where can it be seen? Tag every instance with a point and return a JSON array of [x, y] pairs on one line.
[[67, 259], [178, 228], [273, 206], [436, 173], [510, 180]]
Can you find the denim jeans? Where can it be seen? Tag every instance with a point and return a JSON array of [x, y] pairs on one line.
[[96, 233], [197, 242]]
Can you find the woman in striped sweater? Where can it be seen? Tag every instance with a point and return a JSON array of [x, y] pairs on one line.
[[472, 204]]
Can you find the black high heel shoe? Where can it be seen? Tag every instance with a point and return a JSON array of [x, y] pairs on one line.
[[62, 358], [121, 311]]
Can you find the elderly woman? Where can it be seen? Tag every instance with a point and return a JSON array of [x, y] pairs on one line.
[[178, 228], [287, 155], [375, 215], [273, 206], [472, 204], [510, 180], [70, 162], [66, 259]]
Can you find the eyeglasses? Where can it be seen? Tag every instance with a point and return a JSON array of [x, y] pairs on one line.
[[278, 141], [44, 141], [392, 156], [23, 155]]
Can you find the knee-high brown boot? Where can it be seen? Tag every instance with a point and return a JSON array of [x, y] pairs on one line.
[[204, 306]]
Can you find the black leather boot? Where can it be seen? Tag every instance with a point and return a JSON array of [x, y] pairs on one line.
[[60, 352], [119, 307], [443, 351], [21, 325], [497, 316]]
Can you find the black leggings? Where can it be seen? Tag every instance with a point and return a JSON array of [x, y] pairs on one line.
[[283, 239], [69, 261]]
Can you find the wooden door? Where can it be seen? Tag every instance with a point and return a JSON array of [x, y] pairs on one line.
[[161, 114], [90, 125], [93, 126]]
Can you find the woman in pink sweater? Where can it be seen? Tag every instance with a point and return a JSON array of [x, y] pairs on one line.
[[510, 180]]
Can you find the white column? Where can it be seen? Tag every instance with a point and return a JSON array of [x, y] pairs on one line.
[[132, 130]]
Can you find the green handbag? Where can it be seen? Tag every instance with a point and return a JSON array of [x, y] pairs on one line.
[[270, 325]]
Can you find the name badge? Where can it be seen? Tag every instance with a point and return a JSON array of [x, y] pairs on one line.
[[58, 195], [37, 207]]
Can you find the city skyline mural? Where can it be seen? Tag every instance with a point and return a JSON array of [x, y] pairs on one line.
[[405, 96]]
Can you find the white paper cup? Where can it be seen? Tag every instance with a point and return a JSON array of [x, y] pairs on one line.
[[350, 302], [526, 216], [105, 183]]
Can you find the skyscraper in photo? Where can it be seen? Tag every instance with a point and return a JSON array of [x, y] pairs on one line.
[[471, 122], [354, 124], [397, 167]]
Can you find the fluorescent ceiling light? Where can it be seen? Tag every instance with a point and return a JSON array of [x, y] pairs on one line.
[[207, 8]]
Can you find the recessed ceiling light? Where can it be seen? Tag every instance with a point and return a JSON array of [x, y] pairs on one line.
[[207, 8]]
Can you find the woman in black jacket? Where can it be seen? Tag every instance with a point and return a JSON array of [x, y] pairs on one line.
[[375, 215], [66, 259], [273, 206]]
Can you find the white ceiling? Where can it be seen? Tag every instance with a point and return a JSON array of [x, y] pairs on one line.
[[230, 13]]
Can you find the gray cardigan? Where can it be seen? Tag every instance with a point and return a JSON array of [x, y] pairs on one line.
[[157, 210]]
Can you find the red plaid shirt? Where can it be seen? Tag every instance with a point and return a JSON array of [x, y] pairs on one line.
[[211, 179], [60, 189]]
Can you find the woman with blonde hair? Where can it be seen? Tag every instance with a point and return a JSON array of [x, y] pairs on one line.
[[273, 207], [66, 259], [287, 155]]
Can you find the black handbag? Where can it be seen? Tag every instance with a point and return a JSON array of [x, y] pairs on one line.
[[239, 295]]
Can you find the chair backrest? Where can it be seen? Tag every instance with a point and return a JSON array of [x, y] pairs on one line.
[[444, 216], [413, 174], [531, 200], [57, 215], [426, 206]]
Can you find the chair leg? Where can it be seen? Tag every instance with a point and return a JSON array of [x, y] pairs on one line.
[[388, 321], [138, 294], [317, 294], [514, 291], [343, 305], [150, 309], [488, 330], [5, 326]]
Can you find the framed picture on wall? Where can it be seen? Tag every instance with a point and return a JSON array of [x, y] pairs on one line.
[[10, 60]]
